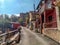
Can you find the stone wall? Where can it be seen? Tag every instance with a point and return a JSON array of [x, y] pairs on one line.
[[53, 33]]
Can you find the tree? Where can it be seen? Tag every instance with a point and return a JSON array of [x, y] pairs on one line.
[[14, 18], [20, 20], [7, 19]]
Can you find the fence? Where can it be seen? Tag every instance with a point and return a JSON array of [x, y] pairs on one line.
[[4, 40]]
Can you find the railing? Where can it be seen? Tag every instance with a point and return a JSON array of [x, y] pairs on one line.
[[4, 40], [50, 24]]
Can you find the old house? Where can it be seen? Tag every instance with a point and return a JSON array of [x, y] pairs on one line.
[[23, 18], [49, 11], [31, 20]]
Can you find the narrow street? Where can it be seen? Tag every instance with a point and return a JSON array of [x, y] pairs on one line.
[[29, 22], [31, 38]]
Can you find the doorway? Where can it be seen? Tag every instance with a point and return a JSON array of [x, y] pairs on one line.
[[42, 21]]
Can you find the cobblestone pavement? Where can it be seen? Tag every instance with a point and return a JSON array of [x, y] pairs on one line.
[[32, 38]]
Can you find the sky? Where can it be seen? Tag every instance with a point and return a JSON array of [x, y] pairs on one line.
[[16, 6]]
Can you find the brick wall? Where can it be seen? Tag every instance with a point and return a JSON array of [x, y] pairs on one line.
[[53, 33]]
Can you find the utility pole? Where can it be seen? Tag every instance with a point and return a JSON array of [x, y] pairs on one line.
[[34, 15], [34, 11], [34, 5]]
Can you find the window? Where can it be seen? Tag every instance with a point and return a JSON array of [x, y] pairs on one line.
[[48, 4], [50, 18]]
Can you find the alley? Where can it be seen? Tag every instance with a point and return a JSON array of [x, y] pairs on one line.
[[29, 22], [31, 38]]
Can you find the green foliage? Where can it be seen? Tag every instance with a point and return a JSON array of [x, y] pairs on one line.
[[5, 19], [20, 20], [14, 18]]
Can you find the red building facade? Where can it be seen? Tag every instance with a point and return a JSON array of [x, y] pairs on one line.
[[48, 12]]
